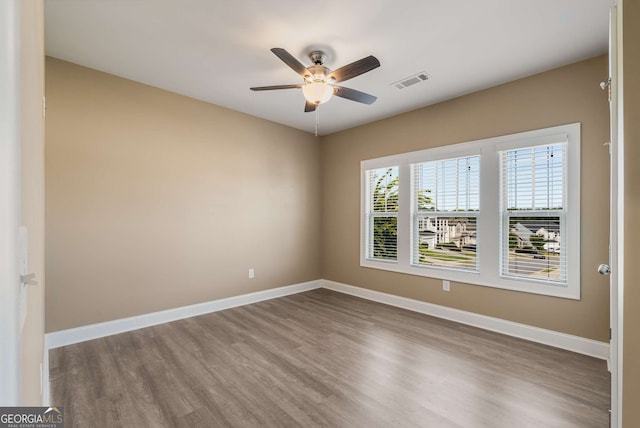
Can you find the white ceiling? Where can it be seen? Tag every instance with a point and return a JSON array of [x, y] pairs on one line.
[[214, 50]]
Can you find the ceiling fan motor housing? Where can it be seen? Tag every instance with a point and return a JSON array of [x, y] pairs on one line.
[[318, 57], [317, 73]]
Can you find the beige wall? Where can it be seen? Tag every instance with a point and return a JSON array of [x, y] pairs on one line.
[[565, 95], [631, 93], [155, 200], [32, 193]]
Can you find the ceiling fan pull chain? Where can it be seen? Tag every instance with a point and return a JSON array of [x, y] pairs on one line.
[[317, 118]]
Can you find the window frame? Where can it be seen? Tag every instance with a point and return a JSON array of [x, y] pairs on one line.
[[371, 215], [489, 221], [507, 214], [416, 213]]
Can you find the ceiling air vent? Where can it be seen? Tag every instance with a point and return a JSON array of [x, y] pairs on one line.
[[411, 80]]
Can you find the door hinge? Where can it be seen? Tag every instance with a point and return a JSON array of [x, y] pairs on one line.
[[610, 335]]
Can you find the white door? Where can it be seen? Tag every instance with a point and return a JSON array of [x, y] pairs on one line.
[[611, 268]]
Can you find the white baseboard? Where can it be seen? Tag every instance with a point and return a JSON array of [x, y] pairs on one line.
[[94, 331], [46, 391], [569, 342]]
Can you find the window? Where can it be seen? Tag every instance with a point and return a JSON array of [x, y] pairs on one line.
[[533, 212], [446, 201], [382, 214], [501, 212]]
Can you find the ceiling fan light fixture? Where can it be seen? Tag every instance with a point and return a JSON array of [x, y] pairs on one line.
[[317, 92], [320, 82]]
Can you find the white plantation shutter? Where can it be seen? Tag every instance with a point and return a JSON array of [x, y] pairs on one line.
[[382, 213], [446, 203], [534, 212]]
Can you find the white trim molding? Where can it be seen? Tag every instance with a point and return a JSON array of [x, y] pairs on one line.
[[46, 387], [556, 339], [569, 342], [95, 331]]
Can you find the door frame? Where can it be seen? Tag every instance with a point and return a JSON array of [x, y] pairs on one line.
[[616, 209], [616, 240], [9, 201]]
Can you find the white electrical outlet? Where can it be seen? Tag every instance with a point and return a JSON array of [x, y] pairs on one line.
[[252, 273], [446, 286]]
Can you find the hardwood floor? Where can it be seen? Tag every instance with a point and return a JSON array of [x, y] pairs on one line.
[[323, 358]]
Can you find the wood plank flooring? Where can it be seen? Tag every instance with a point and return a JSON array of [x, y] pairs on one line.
[[320, 359]]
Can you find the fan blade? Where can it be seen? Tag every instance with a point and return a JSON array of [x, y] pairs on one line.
[[270, 88], [291, 61], [309, 107], [353, 95], [354, 69]]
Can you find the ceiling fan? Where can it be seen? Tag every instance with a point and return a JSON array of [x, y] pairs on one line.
[[320, 82]]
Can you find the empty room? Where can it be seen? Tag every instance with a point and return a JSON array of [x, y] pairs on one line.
[[336, 214]]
